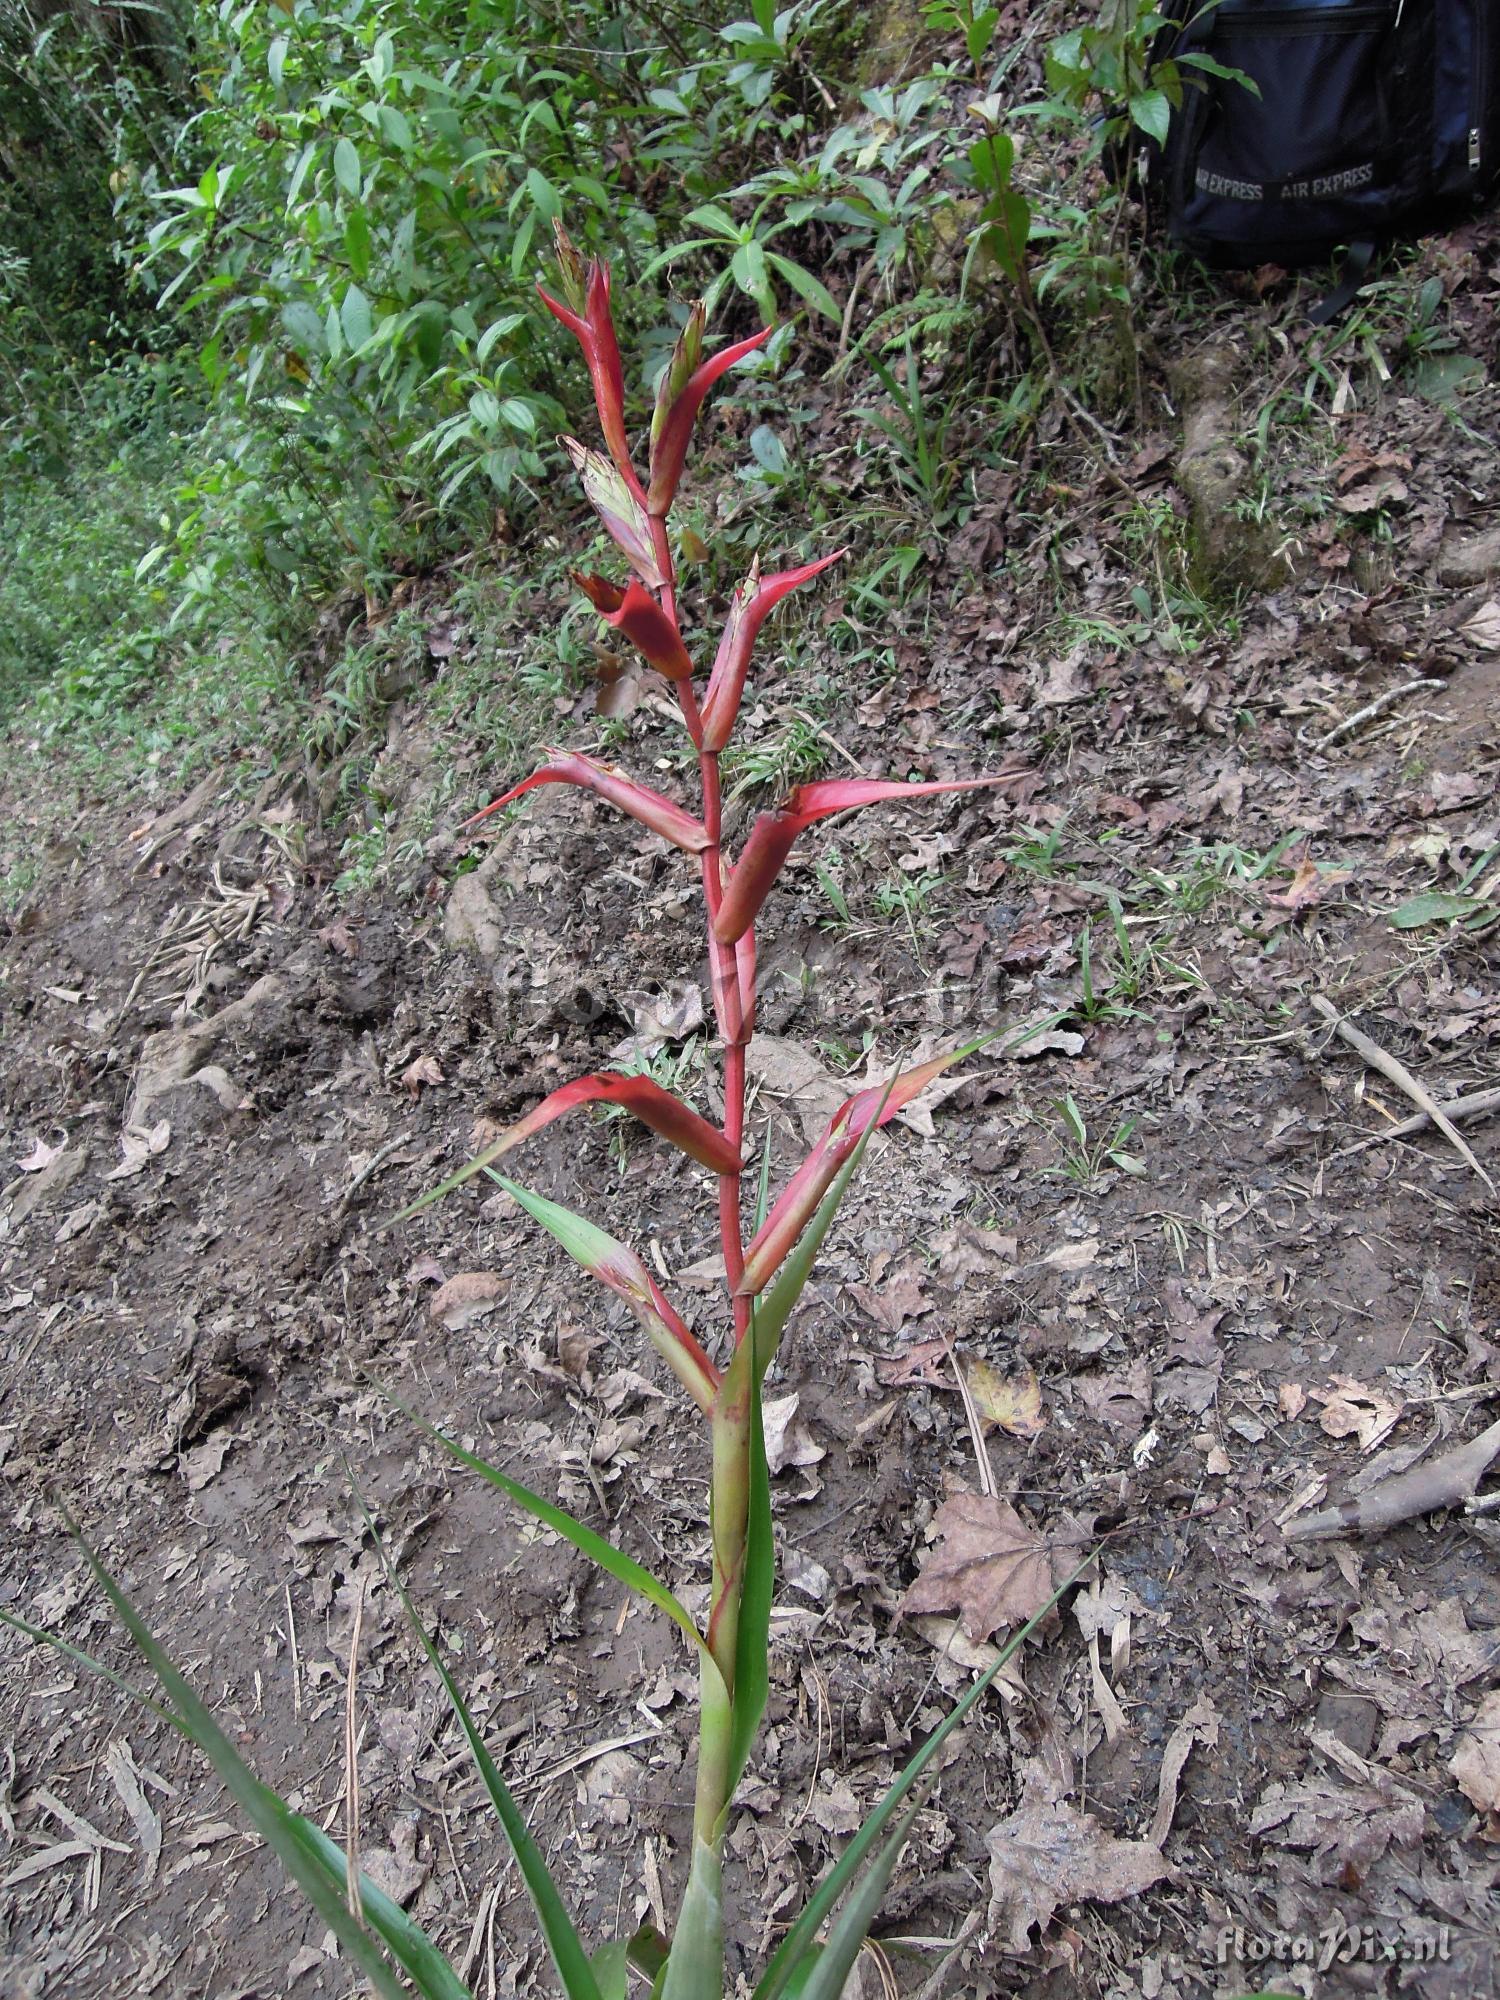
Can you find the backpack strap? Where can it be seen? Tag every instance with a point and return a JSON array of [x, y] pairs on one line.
[[1353, 271]]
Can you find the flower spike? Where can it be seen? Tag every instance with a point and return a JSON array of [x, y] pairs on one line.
[[678, 400], [753, 599], [771, 837], [650, 808], [636, 613], [587, 315]]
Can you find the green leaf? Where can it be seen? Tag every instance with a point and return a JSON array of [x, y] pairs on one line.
[[395, 128], [611, 1969], [270, 1817], [276, 59], [625, 1569], [304, 325], [497, 330], [544, 194], [748, 267], [346, 167], [752, 1643], [410, 1944], [354, 317], [695, 1969], [567, 1951], [1152, 113], [806, 286], [836, 1960], [1437, 907], [777, 1978], [357, 242]]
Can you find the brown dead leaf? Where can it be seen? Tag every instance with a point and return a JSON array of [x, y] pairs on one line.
[[1484, 627], [467, 1297], [1046, 1855], [1012, 1401], [425, 1069], [969, 1251], [1309, 885], [923, 1361], [1351, 1409], [140, 1143], [893, 1303], [1291, 1400], [990, 1567], [41, 1156], [1476, 1760], [338, 937], [788, 1440]]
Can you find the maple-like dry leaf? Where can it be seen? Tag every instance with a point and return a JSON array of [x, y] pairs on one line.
[[40, 1157], [1476, 1761], [990, 1566], [1353, 1409], [788, 1440], [1010, 1402], [1047, 1855], [426, 1069], [466, 1297], [1309, 885]]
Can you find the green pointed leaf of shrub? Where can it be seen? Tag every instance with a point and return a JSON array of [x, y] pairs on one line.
[[270, 1817], [625, 1569], [1436, 907], [776, 1981], [568, 1954]]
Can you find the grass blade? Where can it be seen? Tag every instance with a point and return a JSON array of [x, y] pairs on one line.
[[625, 1569], [409, 1943], [799, 1939], [836, 1960], [568, 1954], [270, 1817]]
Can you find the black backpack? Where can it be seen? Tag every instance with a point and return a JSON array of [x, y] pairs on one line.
[[1374, 120]]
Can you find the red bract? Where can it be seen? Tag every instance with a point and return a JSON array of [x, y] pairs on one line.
[[620, 508], [686, 382], [638, 1095], [636, 613], [649, 807], [798, 1201], [753, 599], [594, 325], [772, 836]]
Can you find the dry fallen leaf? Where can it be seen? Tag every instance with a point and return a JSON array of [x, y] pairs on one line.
[[1009, 1402], [1047, 1855], [139, 1144], [1476, 1761], [1484, 627], [467, 1297], [990, 1567], [1351, 1409], [41, 1155], [1309, 885], [425, 1069], [788, 1440]]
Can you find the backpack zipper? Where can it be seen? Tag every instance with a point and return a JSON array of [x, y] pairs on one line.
[[1308, 20]]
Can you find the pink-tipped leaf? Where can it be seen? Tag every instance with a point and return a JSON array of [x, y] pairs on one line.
[[800, 1198], [588, 316], [650, 808], [621, 1271], [752, 602], [773, 834], [672, 422], [643, 1099], [619, 509]]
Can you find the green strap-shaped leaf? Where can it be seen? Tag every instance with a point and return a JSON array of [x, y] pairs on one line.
[[568, 1954], [695, 1968], [794, 1947], [836, 1960], [758, 1585], [270, 1817], [410, 1944], [625, 1569]]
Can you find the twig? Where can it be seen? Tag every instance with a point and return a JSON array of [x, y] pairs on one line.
[[1371, 709], [1475, 1105], [1441, 1482], [1398, 1074]]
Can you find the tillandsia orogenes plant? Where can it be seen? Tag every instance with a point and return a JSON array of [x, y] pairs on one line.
[[765, 1269]]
